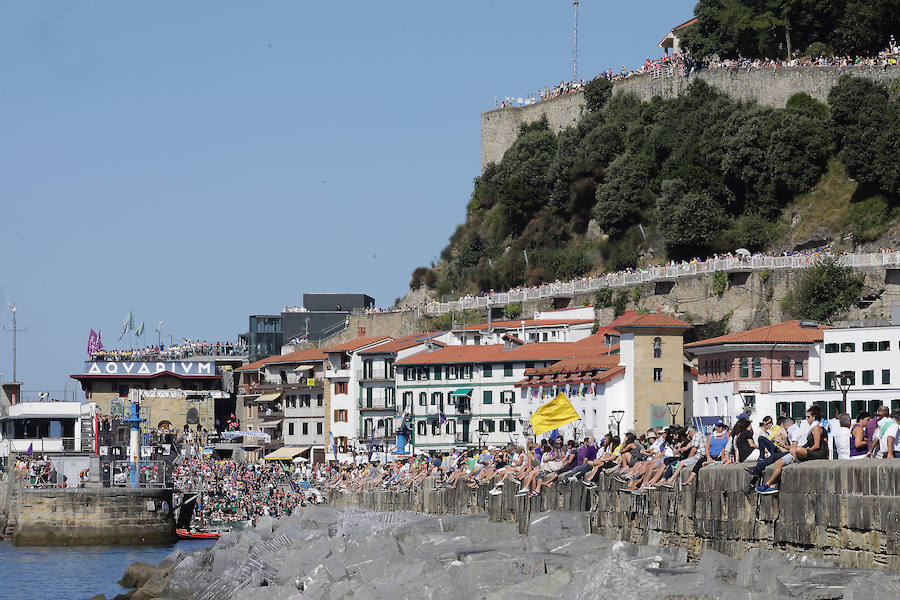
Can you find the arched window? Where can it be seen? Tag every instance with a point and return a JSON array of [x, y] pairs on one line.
[[193, 416], [657, 347], [757, 367], [745, 367]]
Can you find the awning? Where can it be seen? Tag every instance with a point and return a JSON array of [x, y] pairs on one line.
[[270, 397], [287, 453], [462, 392], [266, 424], [302, 368]]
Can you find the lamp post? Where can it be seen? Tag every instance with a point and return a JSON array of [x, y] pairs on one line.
[[617, 415], [673, 409], [844, 381], [482, 435]]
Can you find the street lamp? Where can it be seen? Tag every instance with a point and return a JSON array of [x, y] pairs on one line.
[[844, 381], [482, 435], [618, 415], [673, 409]]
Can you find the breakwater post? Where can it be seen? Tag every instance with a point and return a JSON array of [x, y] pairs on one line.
[[847, 512]]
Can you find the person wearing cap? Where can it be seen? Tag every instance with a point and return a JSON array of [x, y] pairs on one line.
[[715, 450]]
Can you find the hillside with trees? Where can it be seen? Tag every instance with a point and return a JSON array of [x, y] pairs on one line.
[[637, 182]]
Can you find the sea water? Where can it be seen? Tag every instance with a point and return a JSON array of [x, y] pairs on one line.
[[74, 572]]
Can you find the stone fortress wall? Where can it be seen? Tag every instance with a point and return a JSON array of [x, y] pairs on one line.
[[847, 512], [768, 86]]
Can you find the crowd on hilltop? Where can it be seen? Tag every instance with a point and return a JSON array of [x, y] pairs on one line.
[[186, 349], [682, 64], [685, 265]]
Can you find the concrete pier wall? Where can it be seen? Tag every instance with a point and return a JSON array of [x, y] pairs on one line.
[[844, 511], [100, 516]]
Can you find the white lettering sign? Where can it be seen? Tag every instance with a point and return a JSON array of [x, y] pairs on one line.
[[179, 368]]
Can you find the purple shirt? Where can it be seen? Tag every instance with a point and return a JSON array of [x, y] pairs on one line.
[[592, 452], [582, 454], [871, 426]]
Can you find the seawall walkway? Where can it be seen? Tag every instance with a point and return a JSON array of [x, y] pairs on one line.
[[847, 512], [568, 289]]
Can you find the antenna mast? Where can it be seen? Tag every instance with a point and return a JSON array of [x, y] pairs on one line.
[[575, 45], [15, 330]]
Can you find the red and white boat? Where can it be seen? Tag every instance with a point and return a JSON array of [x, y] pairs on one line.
[[184, 534]]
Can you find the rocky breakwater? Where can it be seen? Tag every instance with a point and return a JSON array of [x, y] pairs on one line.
[[330, 554]]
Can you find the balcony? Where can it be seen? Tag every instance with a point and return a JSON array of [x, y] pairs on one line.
[[374, 375], [39, 445], [376, 403], [337, 371], [462, 438], [264, 388]]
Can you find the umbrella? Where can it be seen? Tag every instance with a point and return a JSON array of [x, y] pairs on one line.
[[300, 459], [742, 252]]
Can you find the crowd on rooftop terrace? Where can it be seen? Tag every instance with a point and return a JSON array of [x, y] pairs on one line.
[[186, 349], [683, 65]]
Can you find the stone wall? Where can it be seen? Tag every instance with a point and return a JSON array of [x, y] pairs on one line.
[[752, 299], [102, 516], [844, 511], [771, 87]]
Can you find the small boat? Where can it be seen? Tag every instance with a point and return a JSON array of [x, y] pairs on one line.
[[184, 534]]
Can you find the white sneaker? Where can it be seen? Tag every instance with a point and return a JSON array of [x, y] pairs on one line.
[[495, 492], [522, 492]]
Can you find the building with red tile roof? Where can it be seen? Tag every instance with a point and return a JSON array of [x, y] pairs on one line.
[[743, 372]]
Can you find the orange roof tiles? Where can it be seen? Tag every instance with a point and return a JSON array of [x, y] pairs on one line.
[[356, 344], [496, 353], [788, 332], [632, 318], [311, 355], [402, 344]]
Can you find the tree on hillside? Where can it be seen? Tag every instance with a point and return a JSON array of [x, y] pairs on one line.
[[596, 93], [824, 292], [623, 194], [689, 221], [865, 124]]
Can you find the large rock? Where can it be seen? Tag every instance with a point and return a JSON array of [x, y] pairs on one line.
[[137, 574]]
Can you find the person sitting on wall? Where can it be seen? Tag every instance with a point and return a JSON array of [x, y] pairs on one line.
[[816, 449], [715, 450]]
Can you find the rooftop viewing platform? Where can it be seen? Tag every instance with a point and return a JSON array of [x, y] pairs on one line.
[[161, 352]]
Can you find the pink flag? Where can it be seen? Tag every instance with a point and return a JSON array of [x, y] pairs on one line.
[[92, 342]]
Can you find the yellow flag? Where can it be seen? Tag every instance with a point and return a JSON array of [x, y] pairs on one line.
[[553, 414]]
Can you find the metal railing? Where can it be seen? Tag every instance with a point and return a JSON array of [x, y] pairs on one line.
[[376, 402], [41, 445], [150, 473], [661, 273], [374, 375]]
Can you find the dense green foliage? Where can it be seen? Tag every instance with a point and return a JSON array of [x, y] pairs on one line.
[[678, 178], [772, 28], [824, 292], [865, 122]]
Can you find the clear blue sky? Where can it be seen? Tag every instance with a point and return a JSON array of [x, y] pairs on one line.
[[196, 162]]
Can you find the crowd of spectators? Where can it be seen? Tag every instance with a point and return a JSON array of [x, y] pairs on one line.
[[645, 462], [682, 64], [238, 491], [186, 349]]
